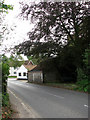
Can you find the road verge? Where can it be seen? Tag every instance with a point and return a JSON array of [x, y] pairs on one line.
[[22, 110]]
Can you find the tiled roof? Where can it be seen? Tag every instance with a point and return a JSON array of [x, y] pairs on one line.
[[30, 67], [37, 68]]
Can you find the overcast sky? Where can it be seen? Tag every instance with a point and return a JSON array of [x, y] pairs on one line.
[[12, 21], [20, 27]]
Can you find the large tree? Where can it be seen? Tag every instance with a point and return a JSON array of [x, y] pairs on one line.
[[61, 26]]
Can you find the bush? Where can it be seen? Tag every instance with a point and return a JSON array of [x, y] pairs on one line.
[[5, 73], [5, 99], [83, 73], [83, 85]]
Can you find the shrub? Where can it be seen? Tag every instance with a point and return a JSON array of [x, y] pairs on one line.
[[5, 99], [83, 85], [83, 73]]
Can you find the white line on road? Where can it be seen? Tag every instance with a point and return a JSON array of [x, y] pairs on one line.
[[86, 106], [19, 100], [61, 97], [55, 95], [28, 109]]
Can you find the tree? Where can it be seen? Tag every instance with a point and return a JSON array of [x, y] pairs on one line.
[[61, 30], [15, 61], [57, 22]]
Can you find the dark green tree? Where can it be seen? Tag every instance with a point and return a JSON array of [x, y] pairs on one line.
[[57, 22]]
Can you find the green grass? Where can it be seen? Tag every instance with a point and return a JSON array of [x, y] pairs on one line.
[[0, 105], [12, 76], [70, 86]]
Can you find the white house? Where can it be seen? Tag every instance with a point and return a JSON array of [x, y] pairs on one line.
[[22, 72], [13, 71]]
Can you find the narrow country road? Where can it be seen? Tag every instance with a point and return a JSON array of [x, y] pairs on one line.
[[50, 102]]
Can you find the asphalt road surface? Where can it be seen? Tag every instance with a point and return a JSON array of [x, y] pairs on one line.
[[50, 102]]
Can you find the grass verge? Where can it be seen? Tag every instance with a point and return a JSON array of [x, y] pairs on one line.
[[12, 76], [69, 86]]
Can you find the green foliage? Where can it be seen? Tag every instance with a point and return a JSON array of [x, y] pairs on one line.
[[5, 99], [5, 72], [35, 59], [83, 73], [4, 7], [5, 67], [13, 61], [83, 85]]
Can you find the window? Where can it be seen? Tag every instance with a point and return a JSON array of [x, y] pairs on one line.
[[19, 74], [14, 72], [24, 74]]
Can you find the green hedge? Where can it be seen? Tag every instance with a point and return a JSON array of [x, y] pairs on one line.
[[5, 99]]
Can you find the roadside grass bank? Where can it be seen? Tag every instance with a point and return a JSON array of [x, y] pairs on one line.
[[0, 105], [69, 86], [12, 76], [6, 107]]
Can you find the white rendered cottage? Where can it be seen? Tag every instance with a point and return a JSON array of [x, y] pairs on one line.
[[22, 72]]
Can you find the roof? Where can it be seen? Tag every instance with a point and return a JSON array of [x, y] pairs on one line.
[[30, 67], [37, 68]]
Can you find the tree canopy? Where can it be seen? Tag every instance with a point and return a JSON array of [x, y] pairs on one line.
[[4, 7], [59, 27], [15, 61]]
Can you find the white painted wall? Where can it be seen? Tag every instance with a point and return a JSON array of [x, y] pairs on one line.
[[21, 70], [12, 71]]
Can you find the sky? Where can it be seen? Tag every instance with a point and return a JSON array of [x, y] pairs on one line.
[[17, 28], [13, 21]]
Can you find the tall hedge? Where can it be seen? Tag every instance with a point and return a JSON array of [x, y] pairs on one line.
[[5, 73]]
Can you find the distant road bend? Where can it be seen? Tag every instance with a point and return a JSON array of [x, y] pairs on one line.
[[50, 102]]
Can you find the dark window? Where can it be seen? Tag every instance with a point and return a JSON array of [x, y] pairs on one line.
[[19, 74], [24, 74], [14, 72]]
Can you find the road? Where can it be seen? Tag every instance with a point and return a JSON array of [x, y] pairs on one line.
[[50, 102]]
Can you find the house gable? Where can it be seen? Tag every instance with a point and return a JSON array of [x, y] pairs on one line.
[[22, 73], [22, 68]]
